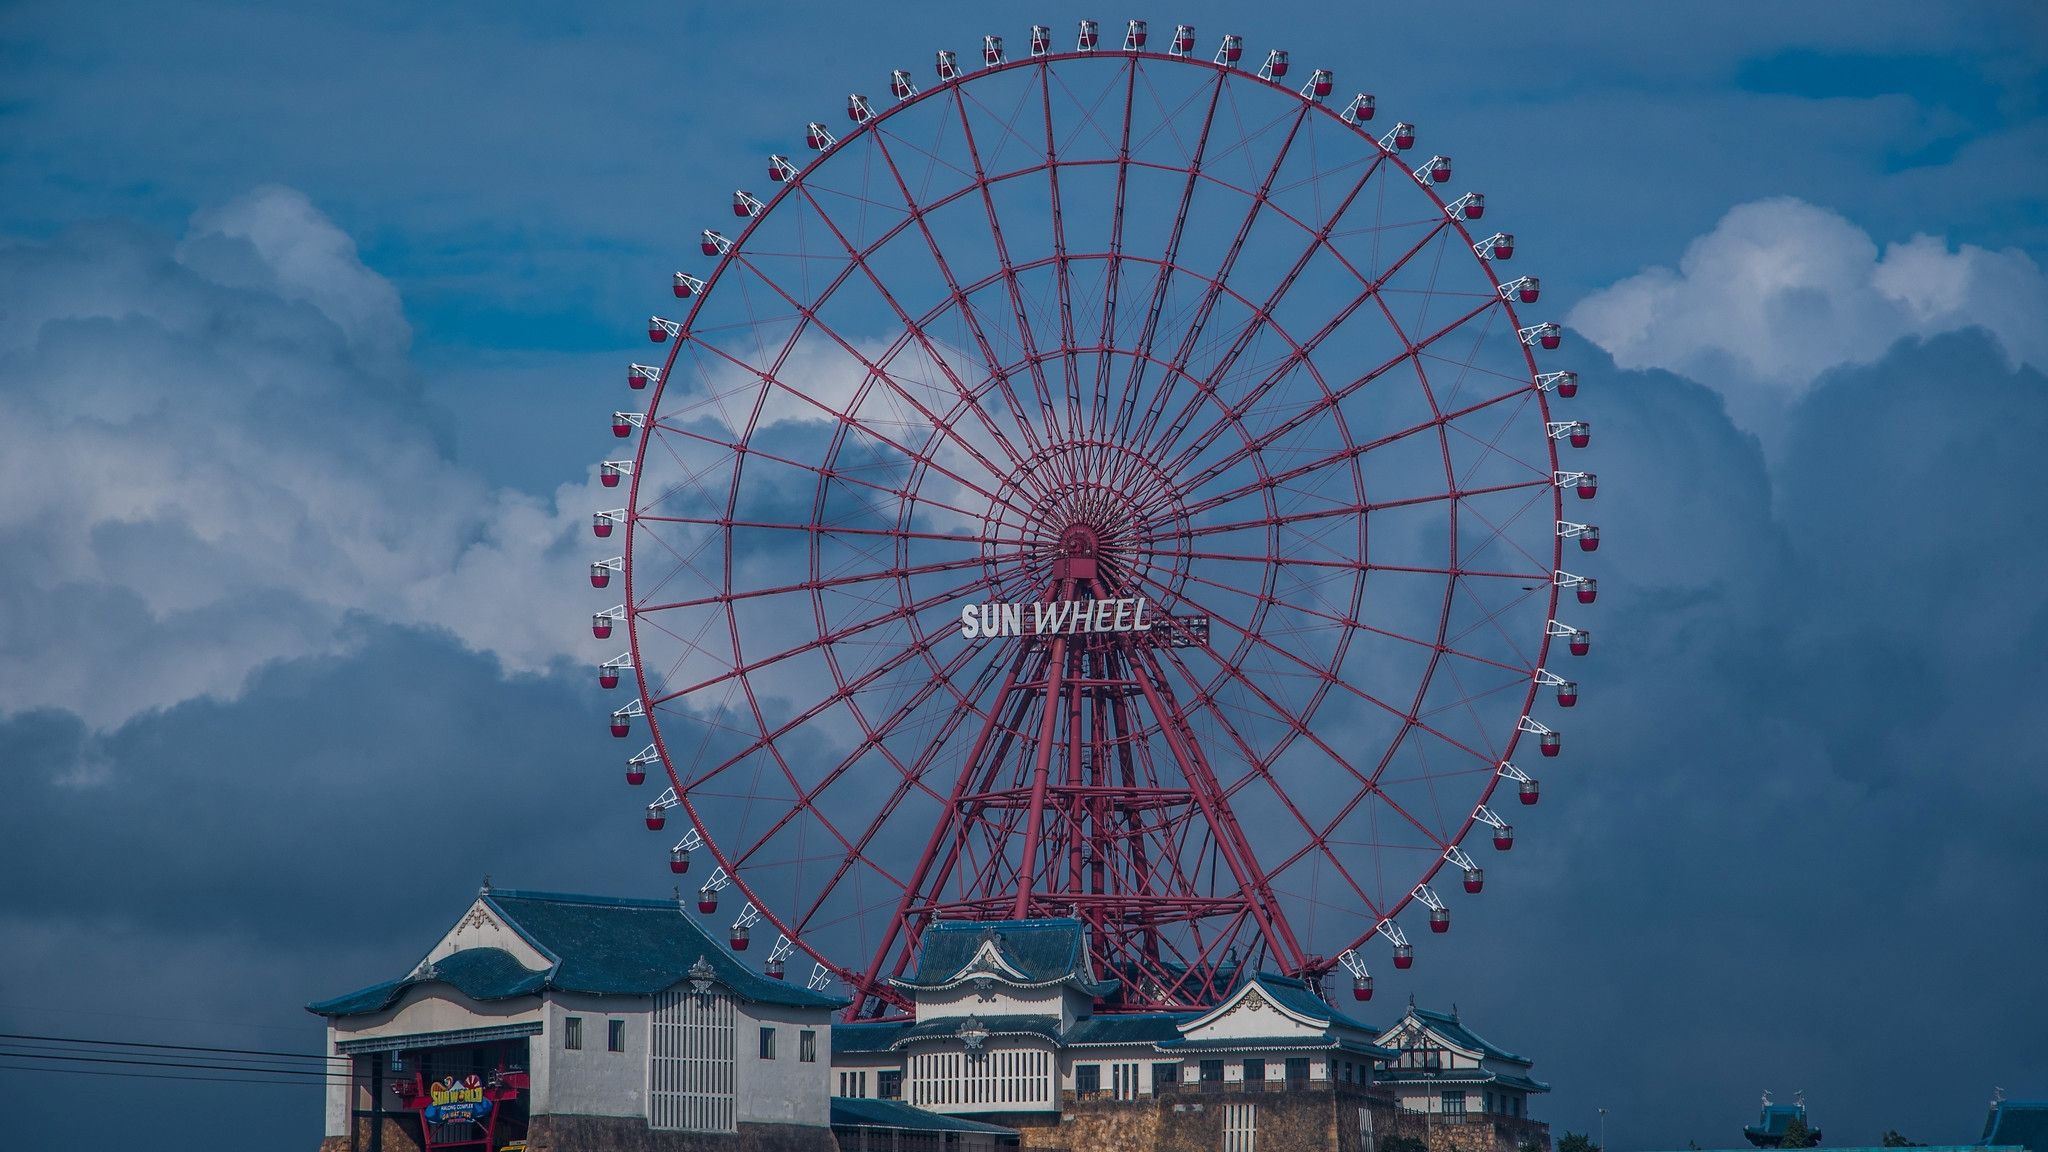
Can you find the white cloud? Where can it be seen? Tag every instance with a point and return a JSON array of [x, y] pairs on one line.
[[1781, 291], [211, 456]]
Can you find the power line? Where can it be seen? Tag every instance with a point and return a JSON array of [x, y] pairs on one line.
[[171, 1047], [301, 1072], [128, 1075], [270, 1063], [211, 1021]]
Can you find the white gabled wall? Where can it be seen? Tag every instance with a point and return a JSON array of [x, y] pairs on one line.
[[434, 1007], [1249, 1012], [593, 1080], [786, 1089], [339, 1088], [1004, 1000], [482, 927]]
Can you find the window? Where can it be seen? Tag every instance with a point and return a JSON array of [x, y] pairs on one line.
[[1254, 1074], [1087, 1079], [767, 1042], [853, 1083], [1454, 1102], [1165, 1077], [807, 1046], [1212, 1071], [889, 1084], [1240, 1127], [615, 1035], [1297, 1068], [572, 1032]]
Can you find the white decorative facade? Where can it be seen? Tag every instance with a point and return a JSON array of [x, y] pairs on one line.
[[565, 1020], [1440, 1066], [1004, 1024]]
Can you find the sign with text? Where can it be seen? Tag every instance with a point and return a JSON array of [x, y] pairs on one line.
[[1056, 618], [454, 1099]]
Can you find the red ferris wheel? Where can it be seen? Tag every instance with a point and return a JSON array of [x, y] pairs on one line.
[[1111, 482]]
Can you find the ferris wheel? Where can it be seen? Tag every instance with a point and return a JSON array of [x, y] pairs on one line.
[[1109, 482]]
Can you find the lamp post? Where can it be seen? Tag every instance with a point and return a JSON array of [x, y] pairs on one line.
[[1603, 1130]]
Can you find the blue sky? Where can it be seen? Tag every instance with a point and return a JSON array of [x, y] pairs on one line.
[[310, 319]]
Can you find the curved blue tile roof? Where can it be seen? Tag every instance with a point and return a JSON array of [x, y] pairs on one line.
[[603, 945]]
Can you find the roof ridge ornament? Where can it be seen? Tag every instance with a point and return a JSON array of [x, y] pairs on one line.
[[973, 1033], [702, 976]]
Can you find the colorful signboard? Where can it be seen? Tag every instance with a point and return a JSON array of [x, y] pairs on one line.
[[452, 1099]]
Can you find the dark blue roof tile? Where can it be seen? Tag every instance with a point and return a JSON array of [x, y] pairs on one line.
[[1447, 1025], [602, 945], [1042, 952], [947, 1027], [1146, 1028], [2018, 1122], [854, 1039], [860, 1112]]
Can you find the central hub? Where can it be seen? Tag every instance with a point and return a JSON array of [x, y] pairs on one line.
[[1088, 512], [1076, 558]]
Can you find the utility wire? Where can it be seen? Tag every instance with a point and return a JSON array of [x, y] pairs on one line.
[[281, 1064], [15, 1006], [172, 1047], [301, 1072], [129, 1075]]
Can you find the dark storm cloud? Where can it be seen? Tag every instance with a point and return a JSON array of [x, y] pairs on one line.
[[198, 874], [1794, 839], [365, 789]]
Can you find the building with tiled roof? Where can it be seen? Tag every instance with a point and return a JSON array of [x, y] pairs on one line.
[[573, 1021], [1439, 1065], [2020, 1123], [1005, 1026]]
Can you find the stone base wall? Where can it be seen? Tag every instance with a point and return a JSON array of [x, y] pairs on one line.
[[631, 1134], [1475, 1134], [1315, 1119], [617, 1134], [397, 1137]]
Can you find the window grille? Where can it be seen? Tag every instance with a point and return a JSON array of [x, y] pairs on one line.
[[690, 1052], [1240, 1127]]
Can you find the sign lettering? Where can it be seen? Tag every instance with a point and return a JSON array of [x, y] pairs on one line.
[[1056, 618]]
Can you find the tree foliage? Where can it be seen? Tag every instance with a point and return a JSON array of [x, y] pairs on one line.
[[1577, 1142], [1797, 1134], [1892, 1139]]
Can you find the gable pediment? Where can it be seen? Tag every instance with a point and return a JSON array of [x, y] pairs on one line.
[[1251, 1010], [1414, 1033], [482, 926], [988, 961]]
